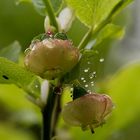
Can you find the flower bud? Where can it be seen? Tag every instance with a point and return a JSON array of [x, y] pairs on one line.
[[48, 26], [88, 111], [65, 19], [51, 58]]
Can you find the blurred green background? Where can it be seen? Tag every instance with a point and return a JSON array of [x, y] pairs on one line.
[[119, 77]]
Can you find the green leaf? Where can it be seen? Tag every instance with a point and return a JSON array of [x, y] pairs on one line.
[[92, 12], [125, 91], [11, 73], [41, 9], [110, 31], [57, 5], [20, 1], [11, 95], [11, 52]]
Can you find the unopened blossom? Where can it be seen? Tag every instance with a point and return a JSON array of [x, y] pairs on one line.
[[88, 111], [51, 57]]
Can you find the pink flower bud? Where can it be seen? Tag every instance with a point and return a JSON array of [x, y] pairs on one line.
[[88, 111], [51, 58]]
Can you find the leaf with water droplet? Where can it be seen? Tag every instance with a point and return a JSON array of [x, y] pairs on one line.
[[84, 72]]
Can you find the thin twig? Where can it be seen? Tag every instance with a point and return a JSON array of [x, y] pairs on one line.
[[85, 39], [51, 13]]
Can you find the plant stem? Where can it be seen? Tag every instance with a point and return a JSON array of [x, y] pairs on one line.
[[51, 13], [85, 39], [47, 114], [57, 110], [50, 113], [92, 33]]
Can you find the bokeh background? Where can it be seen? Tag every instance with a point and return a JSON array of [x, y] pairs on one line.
[[119, 77]]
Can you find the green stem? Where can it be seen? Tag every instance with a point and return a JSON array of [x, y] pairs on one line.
[[51, 14], [85, 39], [92, 33]]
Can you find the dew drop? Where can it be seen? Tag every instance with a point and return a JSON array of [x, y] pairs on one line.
[[71, 89], [36, 86], [94, 72], [101, 59], [89, 91], [82, 78], [91, 77], [84, 81], [89, 62], [86, 70], [92, 85], [86, 85], [92, 82]]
